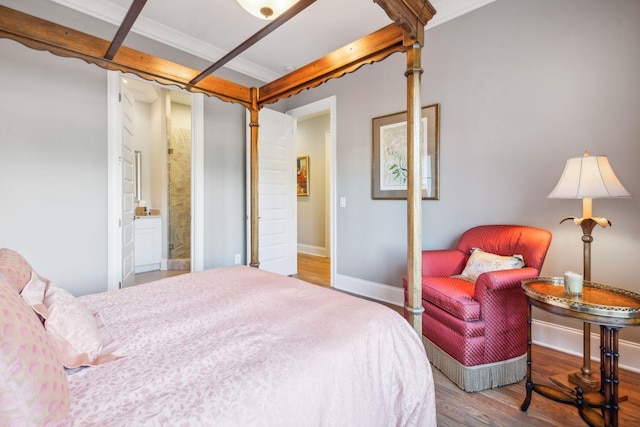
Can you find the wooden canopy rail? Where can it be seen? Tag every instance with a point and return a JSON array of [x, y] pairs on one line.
[[406, 34]]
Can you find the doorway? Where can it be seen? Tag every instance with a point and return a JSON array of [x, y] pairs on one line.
[[162, 142], [315, 130], [169, 123]]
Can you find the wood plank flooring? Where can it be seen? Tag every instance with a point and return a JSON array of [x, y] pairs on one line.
[[314, 269], [501, 406]]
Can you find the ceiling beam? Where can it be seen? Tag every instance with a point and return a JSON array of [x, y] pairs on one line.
[[40, 34], [262, 33], [369, 49], [125, 27]]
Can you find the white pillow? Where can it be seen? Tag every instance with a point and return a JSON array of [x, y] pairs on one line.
[[33, 293], [480, 262], [72, 327]]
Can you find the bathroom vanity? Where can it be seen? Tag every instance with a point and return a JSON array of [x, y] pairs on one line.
[[148, 251]]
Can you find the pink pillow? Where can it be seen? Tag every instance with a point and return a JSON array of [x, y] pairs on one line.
[[14, 269], [33, 385], [34, 292], [72, 327]]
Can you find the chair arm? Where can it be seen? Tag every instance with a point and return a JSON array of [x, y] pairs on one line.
[[442, 263], [502, 280]]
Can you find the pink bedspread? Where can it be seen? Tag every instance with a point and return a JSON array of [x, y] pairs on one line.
[[237, 346]]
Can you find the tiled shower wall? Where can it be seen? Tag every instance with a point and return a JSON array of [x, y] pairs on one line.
[[180, 198]]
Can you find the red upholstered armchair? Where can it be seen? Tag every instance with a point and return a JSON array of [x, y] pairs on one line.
[[476, 333]]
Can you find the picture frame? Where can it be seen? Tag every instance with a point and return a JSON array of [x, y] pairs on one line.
[[389, 161], [302, 178]]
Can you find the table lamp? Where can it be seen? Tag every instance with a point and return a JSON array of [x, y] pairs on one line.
[[587, 178]]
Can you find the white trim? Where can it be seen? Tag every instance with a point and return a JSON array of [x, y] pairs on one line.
[[114, 182], [197, 182], [372, 290], [311, 109], [569, 340], [312, 250]]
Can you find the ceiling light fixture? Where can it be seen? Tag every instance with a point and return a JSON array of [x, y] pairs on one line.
[[266, 9]]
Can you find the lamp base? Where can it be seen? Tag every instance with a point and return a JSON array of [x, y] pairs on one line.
[[587, 382], [567, 384], [570, 382]]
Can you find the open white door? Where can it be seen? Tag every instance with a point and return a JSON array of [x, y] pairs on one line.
[[128, 205], [278, 234]]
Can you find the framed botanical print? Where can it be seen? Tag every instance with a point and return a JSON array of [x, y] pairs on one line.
[[389, 163]]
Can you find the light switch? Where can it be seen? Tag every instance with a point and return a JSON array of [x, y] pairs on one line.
[[343, 202]]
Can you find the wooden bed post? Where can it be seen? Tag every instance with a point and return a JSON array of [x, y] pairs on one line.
[[255, 191], [413, 304]]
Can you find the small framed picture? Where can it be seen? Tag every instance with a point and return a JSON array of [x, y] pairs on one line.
[[303, 176]]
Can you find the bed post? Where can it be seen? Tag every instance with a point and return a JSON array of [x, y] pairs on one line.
[[412, 16], [413, 305], [255, 208]]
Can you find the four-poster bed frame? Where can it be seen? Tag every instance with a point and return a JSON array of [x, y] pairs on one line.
[[405, 34]]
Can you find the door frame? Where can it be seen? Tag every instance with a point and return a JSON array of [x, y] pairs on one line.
[[316, 108], [114, 180]]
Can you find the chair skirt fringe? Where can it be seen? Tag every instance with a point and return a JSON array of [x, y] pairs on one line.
[[479, 377]]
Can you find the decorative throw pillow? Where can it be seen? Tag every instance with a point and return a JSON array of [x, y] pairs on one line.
[[34, 293], [14, 269], [480, 262], [72, 328], [33, 385]]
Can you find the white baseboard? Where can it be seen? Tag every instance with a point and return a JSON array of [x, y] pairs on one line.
[[312, 250], [373, 290], [569, 340], [561, 338]]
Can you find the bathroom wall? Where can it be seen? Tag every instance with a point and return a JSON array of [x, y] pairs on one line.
[[179, 178]]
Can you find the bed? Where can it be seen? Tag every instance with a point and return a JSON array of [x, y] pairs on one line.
[[335, 359], [404, 35], [232, 346]]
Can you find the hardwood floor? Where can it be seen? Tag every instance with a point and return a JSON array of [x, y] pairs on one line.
[[314, 269], [501, 406]]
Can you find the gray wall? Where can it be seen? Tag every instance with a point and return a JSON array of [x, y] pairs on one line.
[[53, 165], [523, 86], [53, 169]]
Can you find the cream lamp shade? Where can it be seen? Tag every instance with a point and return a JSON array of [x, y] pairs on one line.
[[266, 9], [588, 177]]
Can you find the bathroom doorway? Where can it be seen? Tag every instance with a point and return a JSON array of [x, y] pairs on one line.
[[163, 142], [115, 218]]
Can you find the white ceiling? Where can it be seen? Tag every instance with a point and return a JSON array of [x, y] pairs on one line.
[[210, 28]]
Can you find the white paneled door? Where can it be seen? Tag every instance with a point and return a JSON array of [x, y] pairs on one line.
[[128, 205], [278, 233]]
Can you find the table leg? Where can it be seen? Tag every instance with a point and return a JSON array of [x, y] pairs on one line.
[[529, 384], [602, 351], [611, 356], [606, 411]]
